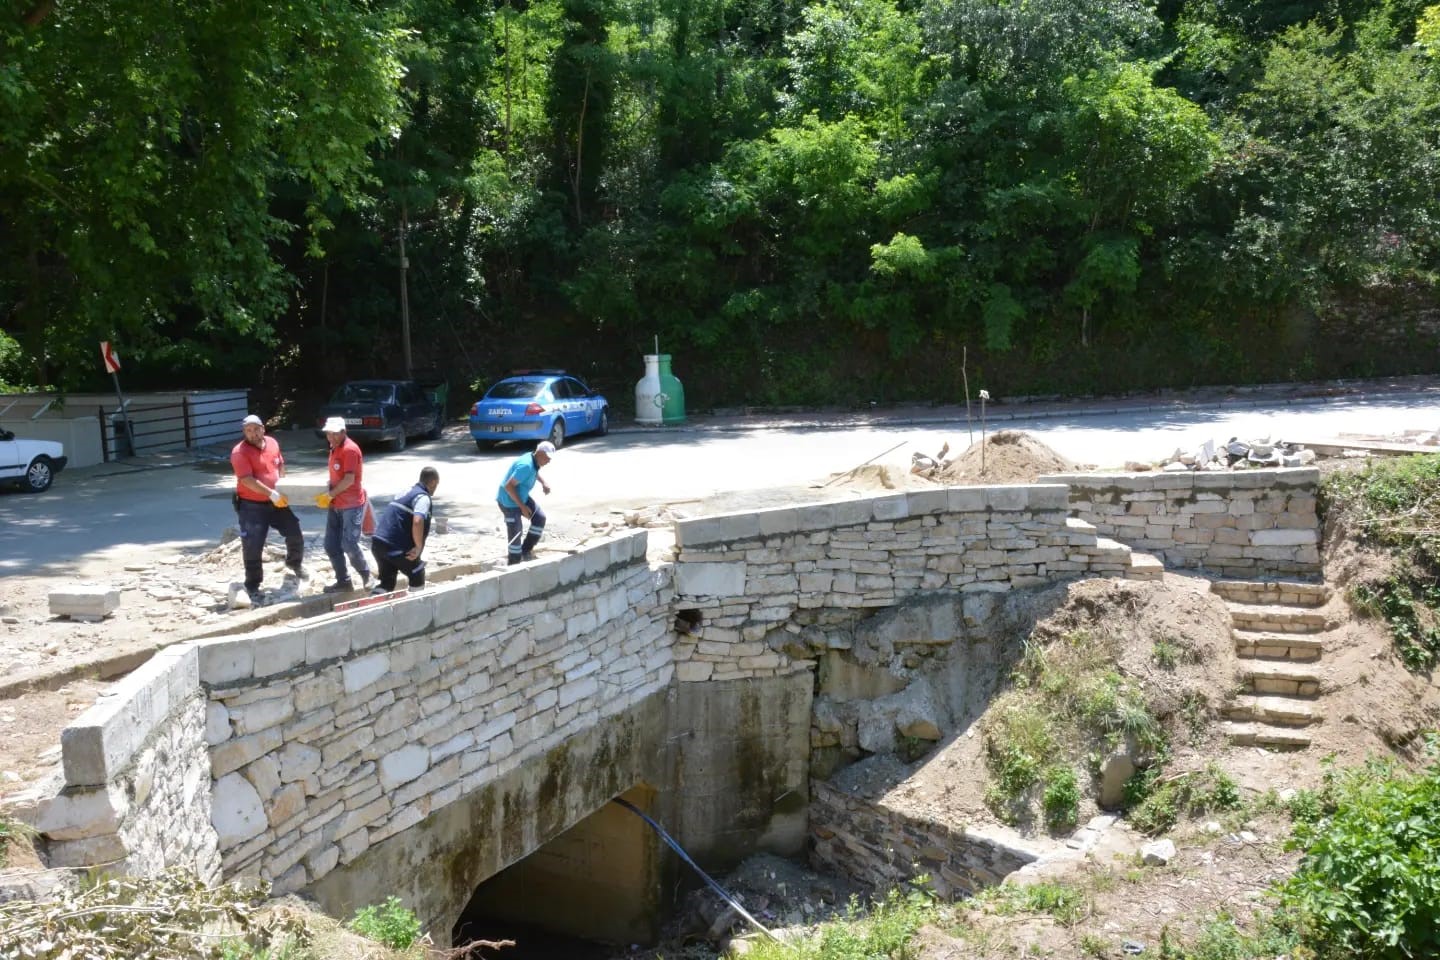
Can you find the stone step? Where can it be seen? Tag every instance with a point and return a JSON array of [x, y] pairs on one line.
[[1289, 592], [1280, 676], [1277, 711], [1080, 527], [1144, 567], [1278, 646], [1109, 549], [1276, 619], [1264, 735]]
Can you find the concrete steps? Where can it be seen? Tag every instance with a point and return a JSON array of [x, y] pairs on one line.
[[1274, 618], [1278, 646], [1264, 735], [1279, 633], [1144, 567], [1278, 711]]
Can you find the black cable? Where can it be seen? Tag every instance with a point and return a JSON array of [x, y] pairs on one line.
[[696, 867]]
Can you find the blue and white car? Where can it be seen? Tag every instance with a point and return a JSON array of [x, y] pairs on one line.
[[539, 405]]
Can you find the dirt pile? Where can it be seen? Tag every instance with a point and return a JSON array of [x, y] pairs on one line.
[[1010, 456]]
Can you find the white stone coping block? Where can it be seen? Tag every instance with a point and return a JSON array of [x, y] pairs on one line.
[[102, 741], [1284, 537], [710, 579], [927, 502], [1257, 479], [84, 600]]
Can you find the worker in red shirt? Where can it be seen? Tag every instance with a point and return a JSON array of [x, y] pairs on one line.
[[344, 502], [261, 507]]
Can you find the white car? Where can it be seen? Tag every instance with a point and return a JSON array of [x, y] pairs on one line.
[[30, 463]]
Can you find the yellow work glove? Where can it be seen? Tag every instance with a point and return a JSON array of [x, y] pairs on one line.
[[279, 499], [322, 500]]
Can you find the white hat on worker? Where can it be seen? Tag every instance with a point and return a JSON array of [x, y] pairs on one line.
[[334, 425], [545, 447], [252, 419]]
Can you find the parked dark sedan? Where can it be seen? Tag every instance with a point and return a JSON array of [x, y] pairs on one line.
[[388, 411]]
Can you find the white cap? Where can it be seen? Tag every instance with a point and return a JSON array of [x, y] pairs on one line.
[[545, 447], [252, 419], [334, 425]]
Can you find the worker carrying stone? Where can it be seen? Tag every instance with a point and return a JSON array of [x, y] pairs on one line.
[[402, 532], [516, 503], [261, 507]]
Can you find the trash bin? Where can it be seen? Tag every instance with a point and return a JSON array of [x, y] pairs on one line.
[[659, 397], [123, 445]]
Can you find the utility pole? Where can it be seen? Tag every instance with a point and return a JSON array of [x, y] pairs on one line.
[[404, 292]]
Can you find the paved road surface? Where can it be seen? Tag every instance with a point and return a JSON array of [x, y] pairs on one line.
[[94, 518]]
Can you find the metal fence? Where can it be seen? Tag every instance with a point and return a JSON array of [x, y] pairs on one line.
[[186, 423]]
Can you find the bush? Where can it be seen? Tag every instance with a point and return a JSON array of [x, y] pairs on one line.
[[391, 923], [886, 931], [1369, 884], [1062, 798]]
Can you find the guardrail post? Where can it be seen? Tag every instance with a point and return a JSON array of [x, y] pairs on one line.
[[104, 443], [185, 412]]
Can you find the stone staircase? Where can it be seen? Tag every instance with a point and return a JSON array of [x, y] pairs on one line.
[[1111, 555], [1278, 628]]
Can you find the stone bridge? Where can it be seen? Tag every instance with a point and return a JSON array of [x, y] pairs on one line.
[[470, 737]]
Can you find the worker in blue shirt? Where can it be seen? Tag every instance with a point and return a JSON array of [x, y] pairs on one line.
[[516, 503]]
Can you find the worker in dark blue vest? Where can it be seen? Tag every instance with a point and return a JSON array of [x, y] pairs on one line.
[[401, 532]]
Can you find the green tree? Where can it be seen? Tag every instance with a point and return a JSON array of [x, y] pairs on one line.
[[140, 148]]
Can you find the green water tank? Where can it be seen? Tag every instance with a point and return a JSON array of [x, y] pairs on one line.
[[659, 397]]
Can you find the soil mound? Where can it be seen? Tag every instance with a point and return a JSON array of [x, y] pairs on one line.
[[877, 476], [1010, 456]]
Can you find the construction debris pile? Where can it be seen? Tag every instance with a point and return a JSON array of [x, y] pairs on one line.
[[1007, 456], [1234, 454]]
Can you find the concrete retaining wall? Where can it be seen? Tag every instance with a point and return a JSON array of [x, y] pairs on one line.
[[1250, 523]]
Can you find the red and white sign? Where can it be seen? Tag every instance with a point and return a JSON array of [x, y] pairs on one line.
[[111, 358]]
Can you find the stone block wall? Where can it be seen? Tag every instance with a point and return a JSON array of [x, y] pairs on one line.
[[747, 575], [330, 736], [136, 795], [884, 846], [1249, 523]]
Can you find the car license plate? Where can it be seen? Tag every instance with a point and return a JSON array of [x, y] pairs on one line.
[[354, 421], [503, 429]]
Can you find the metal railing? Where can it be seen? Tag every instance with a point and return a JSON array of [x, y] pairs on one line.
[[169, 426]]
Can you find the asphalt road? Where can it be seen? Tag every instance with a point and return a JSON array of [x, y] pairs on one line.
[[95, 518]]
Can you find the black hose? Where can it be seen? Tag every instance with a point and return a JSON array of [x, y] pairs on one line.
[[694, 866]]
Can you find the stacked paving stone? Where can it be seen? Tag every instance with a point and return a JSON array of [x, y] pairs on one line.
[[1245, 524], [1279, 636], [748, 573]]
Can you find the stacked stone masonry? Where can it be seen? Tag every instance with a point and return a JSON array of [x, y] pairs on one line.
[[290, 752], [1247, 523], [884, 847], [748, 574]]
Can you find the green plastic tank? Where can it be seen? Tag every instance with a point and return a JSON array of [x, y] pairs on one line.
[[659, 397]]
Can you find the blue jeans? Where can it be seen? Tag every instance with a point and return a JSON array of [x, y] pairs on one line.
[[516, 550], [342, 539]]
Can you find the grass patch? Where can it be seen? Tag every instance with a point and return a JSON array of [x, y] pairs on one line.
[[1394, 505], [886, 929], [1067, 903], [1065, 698], [1160, 802]]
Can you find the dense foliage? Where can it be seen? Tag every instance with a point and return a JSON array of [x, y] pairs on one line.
[[804, 200], [1394, 506]]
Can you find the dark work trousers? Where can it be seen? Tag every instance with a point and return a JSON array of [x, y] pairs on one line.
[[390, 560], [515, 525], [257, 519]]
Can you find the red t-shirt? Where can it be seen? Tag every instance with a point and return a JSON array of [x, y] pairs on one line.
[[263, 464], [346, 459]]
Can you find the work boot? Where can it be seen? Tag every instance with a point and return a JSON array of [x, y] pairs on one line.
[[378, 590], [257, 598], [365, 577], [339, 586], [526, 557], [300, 572]]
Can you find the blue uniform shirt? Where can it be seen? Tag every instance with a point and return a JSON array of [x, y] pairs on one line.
[[526, 473]]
